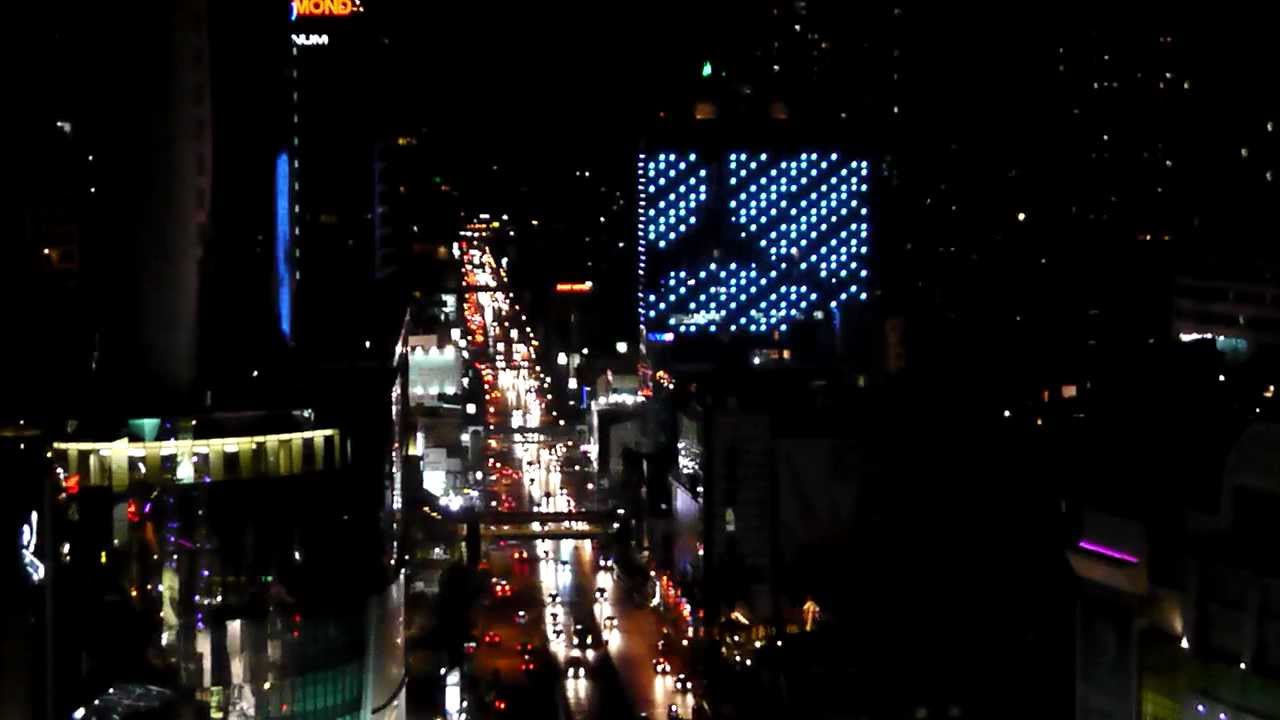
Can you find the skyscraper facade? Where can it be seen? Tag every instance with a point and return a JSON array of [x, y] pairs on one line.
[[323, 248]]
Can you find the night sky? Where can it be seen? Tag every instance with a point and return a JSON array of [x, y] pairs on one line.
[[538, 79]]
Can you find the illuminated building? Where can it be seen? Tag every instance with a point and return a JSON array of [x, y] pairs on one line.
[[254, 607], [1236, 309], [325, 252], [749, 243]]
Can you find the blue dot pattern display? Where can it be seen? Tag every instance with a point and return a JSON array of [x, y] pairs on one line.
[[801, 223]]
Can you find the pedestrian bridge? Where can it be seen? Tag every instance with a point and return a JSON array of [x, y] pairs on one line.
[[520, 524], [526, 532], [520, 517]]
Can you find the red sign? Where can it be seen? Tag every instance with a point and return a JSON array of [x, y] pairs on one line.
[[574, 288], [71, 484], [131, 511]]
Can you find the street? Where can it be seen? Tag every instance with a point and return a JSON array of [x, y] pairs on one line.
[[584, 645]]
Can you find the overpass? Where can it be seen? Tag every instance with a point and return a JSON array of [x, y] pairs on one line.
[[519, 525], [523, 532], [522, 517]]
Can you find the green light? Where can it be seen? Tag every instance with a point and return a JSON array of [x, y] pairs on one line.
[[145, 428], [706, 68]]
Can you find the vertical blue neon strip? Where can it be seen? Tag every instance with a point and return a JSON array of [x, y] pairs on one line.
[[284, 274]]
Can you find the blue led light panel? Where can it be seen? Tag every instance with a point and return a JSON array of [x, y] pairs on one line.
[[283, 247], [789, 243]]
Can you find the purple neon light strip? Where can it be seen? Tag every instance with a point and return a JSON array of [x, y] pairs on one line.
[[1109, 552]]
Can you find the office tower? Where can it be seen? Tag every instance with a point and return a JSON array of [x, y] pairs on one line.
[[323, 250]]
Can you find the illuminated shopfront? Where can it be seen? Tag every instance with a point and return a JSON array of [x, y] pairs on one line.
[[178, 461]]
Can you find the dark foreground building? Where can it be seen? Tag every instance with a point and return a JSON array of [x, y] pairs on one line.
[[177, 554]]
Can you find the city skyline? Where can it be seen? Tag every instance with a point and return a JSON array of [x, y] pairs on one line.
[[735, 358]]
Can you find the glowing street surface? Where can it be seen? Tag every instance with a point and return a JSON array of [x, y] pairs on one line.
[[601, 642]]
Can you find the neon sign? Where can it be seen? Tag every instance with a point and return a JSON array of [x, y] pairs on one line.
[[35, 568], [324, 8], [574, 288], [1107, 551], [312, 39], [284, 271]]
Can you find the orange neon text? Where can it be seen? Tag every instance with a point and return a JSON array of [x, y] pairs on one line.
[[306, 8]]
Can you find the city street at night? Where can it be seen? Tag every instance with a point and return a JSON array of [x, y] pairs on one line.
[[675, 360]]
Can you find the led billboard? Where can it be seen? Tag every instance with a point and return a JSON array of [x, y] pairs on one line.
[[749, 242]]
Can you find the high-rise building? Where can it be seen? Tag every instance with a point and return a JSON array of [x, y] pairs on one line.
[[324, 181], [801, 77], [416, 218], [42, 267], [177, 270], [141, 197]]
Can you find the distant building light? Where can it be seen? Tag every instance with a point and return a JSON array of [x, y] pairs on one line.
[[1022, 217], [621, 347], [706, 68], [64, 126]]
